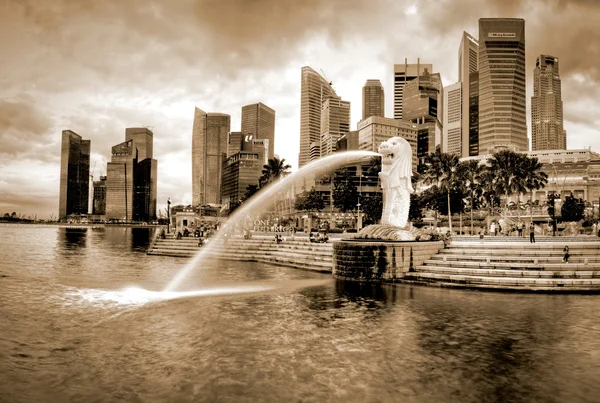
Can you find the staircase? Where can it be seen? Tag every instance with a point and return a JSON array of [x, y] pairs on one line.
[[507, 264], [298, 253]]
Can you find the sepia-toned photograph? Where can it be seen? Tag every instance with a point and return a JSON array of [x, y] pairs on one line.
[[353, 201]]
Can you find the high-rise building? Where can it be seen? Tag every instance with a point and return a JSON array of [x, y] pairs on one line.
[[403, 73], [241, 170], [473, 122], [131, 178], [234, 143], [348, 142], [373, 99], [335, 122], [423, 106], [452, 125], [468, 65], [209, 149], [314, 91], [258, 122], [502, 116], [376, 129], [547, 131], [74, 175], [99, 202]]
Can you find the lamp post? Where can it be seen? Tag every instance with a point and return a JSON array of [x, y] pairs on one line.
[[359, 218], [169, 215]]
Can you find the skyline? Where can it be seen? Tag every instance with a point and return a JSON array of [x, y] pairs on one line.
[[102, 79]]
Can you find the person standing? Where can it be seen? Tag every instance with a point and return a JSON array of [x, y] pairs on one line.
[[567, 255], [532, 232], [520, 228], [493, 228]]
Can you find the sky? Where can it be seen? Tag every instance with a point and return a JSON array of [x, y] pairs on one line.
[[97, 67]]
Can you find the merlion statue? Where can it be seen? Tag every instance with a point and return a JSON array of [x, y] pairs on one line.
[[395, 176]]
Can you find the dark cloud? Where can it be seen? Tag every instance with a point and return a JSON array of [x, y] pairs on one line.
[[23, 126]]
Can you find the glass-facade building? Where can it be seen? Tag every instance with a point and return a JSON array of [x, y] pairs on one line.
[[335, 122], [74, 175], [258, 122], [404, 73], [373, 99], [210, 139], [547, 131], [314, 90]]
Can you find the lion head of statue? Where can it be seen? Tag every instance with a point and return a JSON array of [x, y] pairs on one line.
[[394, 149]]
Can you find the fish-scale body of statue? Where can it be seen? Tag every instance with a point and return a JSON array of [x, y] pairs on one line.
[[395, 175]]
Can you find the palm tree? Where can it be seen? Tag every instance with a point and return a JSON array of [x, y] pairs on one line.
[[534, 178], [471, 175], [274, 169], [510, 169], [441, 169]]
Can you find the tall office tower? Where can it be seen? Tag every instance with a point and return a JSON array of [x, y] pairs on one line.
[[131, 178], [209, 149], [546, 106], [403, 73], [502, 118], [473, 122], [335, 122], [234, 143], [423, 106], [452, 126], [314, 91], [376, 129], [100, 196], [468, 64], [74, 175], [241, 170], [258, 121], [373, 98]]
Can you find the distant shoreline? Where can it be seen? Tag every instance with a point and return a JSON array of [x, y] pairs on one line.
[[65, 225]]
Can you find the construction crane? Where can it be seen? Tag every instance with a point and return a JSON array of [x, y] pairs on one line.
[[325, 77]]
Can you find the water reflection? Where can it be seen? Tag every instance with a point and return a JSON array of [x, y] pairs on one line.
[[73, 238]]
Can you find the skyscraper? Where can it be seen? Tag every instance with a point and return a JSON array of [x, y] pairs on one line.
[[335, 122], [131, 178], [502, 117], [452, 127], [546, 106], [74, 175], [423, 105], [209, 149], [373, 99], [404, 73], [374, 130], [314, 91], [468, 66], [258, 121]]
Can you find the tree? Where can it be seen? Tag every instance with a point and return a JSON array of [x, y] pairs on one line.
[[274, 169], [471, 175], [372, 206], [573, 209], [309, 201], [250, 191], [534, 178], [441, 169], [509, 168], [415, 211], [344, 191]]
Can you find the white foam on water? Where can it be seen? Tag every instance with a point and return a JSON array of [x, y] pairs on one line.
[[140, 296]]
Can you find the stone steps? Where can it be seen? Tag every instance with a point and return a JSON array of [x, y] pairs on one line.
[[510, 273], [513, 266], [296, 253], [547, 264], [512, 282]]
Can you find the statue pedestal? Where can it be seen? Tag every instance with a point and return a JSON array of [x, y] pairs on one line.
[[385, 232]]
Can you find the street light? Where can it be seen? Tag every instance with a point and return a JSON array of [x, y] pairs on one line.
[[168, 215]]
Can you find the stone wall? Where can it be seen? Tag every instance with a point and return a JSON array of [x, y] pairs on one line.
[[374, 261]]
